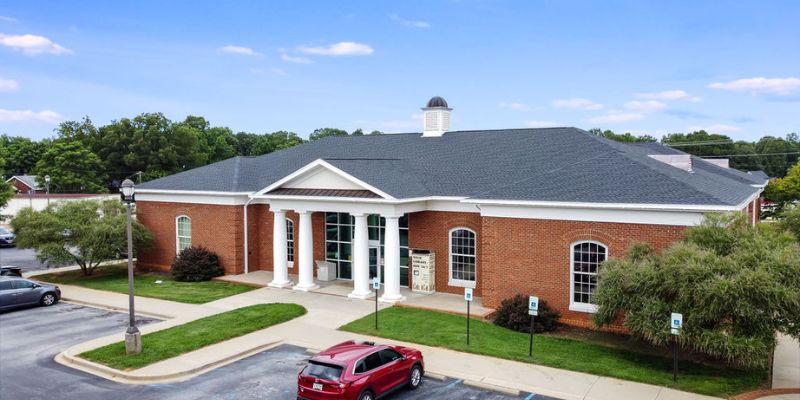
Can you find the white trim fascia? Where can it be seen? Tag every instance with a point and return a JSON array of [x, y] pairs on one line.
[[194, 198], [355, 199], [192, 192], [324, 164], [609, 206]]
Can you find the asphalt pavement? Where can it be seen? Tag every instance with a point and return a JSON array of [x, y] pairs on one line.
[[23, 258], [30, 338]]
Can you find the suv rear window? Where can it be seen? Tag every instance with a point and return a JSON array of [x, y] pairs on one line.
[[324, 371]]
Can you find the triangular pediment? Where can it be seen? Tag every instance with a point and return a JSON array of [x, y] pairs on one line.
[[321, 175]]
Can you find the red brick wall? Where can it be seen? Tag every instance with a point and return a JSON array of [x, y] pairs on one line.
[[430, 230], [216, 227], [532, 256], [19, 186], [749, 210]]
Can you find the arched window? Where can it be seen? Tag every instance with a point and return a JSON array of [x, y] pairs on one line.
[[290, 242], [585, 260], [183, 233], [463, 259]]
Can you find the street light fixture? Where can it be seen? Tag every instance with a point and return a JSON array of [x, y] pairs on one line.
[[133, 338], [47, 188]]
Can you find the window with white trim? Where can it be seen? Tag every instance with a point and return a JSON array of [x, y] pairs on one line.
[[183, 233], [290, 241], [586, 258], [463, 259]]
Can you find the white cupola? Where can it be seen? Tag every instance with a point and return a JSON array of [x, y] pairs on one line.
[[436, 117]]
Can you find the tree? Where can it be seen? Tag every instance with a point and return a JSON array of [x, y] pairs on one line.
[[20, 154], [275, 141], [787, 189], [6, 193], [72, 168], [87, 233], [325, 132], [736, 286], [245, 142], [790, 220], [625, 137]]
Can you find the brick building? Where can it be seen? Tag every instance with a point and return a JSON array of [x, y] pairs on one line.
[[532, 211]]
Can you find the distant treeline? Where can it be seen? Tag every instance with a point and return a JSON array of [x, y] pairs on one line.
[[84, 158]]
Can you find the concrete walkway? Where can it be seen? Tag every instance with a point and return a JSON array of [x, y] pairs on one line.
[[786, 365], [317, 330]]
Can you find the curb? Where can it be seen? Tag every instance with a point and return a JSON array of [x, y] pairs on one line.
[[490, 387], [113, 374], [117, 309], [757, 394]]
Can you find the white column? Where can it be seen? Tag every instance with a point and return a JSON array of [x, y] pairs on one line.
[[280, 273], [305, 247], [361, 288], [391, 278]]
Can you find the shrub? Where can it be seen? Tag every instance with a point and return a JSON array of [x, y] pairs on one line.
[[513, 314], [196, 264]]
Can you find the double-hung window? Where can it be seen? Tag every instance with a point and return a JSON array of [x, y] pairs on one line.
[[183, 233], [290, 242], [585, 260], [463, 257]]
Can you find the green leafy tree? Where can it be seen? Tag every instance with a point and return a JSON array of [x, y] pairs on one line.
[[376, 132], [72, 168], [245, 142], [86, 233], [786, 189], [790, 220], [275, 141], [325, 132], [736, 286], [20, 154], [6, 193], [625, 137]]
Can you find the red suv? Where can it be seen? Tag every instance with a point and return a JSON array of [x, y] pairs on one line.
[[359, 371]]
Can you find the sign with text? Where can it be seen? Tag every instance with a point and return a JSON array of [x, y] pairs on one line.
[[533, 305], [468, 294], [676, 323], [376, 283]]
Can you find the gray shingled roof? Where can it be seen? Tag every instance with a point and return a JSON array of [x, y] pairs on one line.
[[548, 164], [29, 180]]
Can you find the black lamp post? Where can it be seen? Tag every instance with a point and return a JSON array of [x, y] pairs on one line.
[[133, 338], [47, 188]]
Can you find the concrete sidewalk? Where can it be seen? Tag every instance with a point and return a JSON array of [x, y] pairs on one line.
[[317, 330], [786, 365]]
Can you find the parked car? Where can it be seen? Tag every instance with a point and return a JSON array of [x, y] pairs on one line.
[[7, 270], [356, 370], [20, 292], [7, 237]]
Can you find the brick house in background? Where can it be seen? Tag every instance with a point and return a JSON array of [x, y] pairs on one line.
[[24, 183], [531, 211]]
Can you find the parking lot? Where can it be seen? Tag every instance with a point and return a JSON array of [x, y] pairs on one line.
[[30, 338], [23, 258]]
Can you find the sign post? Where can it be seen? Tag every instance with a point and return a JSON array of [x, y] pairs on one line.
[[676, 323], [533, 311], [468, 298], [376, 284]]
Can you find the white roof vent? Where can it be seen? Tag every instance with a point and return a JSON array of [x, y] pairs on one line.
[[436, 117], [682, 161]]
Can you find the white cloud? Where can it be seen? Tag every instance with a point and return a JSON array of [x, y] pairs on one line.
[[32, 44], [577, 103], [761, 85], [514, 106], [8, 19], [541, 124], [296, 60], [339, 49], [47, 116], [645, 106], [233, 49], [668, 95], [407, 22], [617, 117], [8, 85], [716, 128]]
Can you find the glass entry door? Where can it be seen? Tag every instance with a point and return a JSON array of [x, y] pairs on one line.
[[375, 265]]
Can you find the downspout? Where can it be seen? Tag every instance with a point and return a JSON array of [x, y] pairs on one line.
[[246, 242]]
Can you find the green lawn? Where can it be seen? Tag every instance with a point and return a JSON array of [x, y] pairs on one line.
[[172, 342], [114, 278], [447, 330]]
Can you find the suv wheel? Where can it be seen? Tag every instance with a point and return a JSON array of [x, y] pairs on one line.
[[366, 395], [414, 377]]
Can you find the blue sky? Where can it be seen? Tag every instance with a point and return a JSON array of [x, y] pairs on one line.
[[639, 66]]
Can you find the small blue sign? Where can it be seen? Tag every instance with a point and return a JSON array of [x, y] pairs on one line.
[[676, 323], [468, 294], [376, 283]]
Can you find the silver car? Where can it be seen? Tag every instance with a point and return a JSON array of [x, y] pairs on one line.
[[20, 292]]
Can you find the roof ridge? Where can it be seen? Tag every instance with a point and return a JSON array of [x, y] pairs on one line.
[[236, 172]]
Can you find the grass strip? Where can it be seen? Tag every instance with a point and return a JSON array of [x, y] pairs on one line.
[[172, 342]]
